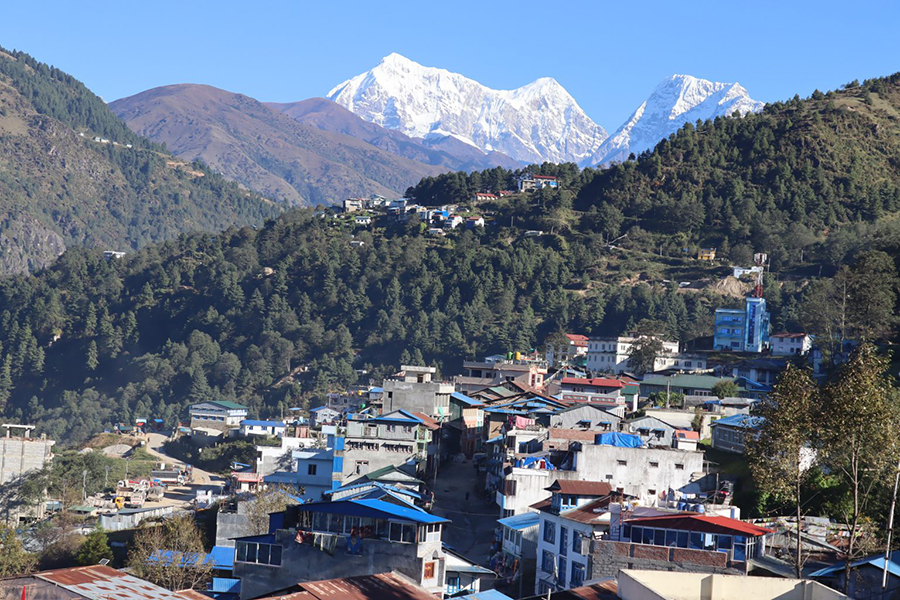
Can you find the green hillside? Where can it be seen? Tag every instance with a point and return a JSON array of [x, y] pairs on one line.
[[59, 187]]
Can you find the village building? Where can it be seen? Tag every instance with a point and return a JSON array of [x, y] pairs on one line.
[[220, 415], [613, 355], [271, 428], [790, 344], [483, 374], [729, 434], [529, 182], [742, 330], [20, 455], [571, 352], [414, 389]]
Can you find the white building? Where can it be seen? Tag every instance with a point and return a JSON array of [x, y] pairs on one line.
[[790, 344], [270, 459], [574, 349], [575, 514], [250, 427], [217, 414], [612, 354], [323, 414]]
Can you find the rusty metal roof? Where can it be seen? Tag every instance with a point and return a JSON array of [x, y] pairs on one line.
[[366, 587], [100, 582]]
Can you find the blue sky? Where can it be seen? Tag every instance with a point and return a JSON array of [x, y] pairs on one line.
[[608, 55]]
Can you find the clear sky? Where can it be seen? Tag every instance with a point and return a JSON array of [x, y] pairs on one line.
[[609, 55]]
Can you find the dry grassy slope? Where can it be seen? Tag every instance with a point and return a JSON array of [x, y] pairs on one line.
[[264, 149], [58, 188]]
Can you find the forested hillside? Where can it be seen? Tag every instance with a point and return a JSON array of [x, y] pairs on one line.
[[816, 176], [59, 187]]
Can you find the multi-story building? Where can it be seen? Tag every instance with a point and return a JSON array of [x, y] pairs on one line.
[[575, 513], [343, 538], [529, 182], [743, 330], [398, 438], [571, 352], [613, 355], [414, 390], [20, 455], [790, 344], [525, 371], [220, 415], [730, 434]]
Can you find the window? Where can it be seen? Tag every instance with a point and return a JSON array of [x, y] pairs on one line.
[[723, 544], [311, 469], [510, 487], [577, 575], [429, 570], [609, 476], [654, 465], [547, 562], [659, 537], [622, 463], [549, 532], [576, 542], [263, 554], [651, 492], [402, 532], [561, 573], [453, 584], [362, 467], [696, 541], [740, 548], [679, 467], [563, 541], [671, 538]]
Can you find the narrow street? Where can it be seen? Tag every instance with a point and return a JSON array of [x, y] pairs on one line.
[[180, 495], [473, 522]]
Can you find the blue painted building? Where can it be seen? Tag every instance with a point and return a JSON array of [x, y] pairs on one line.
[[743, 330]]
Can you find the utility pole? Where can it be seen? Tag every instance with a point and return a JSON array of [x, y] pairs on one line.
[[106, 478], [84, 485]]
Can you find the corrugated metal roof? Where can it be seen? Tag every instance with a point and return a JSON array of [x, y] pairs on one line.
[[252, 423], [523, 521], [581, 488], [366, 587], [101, 582], [701, 523]]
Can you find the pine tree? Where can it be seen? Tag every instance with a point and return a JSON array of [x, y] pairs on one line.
[[92, 356], [94, 549]]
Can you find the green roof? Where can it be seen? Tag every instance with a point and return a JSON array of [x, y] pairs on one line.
[[705, 382], [229, 405], [502, 391]]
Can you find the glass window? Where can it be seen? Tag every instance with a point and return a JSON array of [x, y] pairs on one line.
[[577, 575], [740, 548], [241, 551], [547, 562], [549, 532], [262, 555], [659, 537], [576, 542], [275, 556], [563, 541], [251, 552], [696, 541], [682, 539], [626, 532], [648, 536], [561, 573], [724, 543], [671, 538], [709, 541], [429, 570]]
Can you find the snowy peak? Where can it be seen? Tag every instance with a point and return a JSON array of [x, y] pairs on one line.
[[537, 122], [677, 100]]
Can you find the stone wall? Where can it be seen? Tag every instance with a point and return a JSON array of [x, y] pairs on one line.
[[608, 557]]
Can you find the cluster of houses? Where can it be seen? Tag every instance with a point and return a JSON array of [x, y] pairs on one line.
[[366, 212]]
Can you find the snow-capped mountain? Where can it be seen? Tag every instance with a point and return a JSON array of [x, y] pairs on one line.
[[534, 123], [675, 101]]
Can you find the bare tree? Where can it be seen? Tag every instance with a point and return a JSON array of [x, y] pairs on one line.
[[171, 554], [273, 500]]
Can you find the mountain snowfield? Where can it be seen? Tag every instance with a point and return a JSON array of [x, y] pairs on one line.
[[534, 123], [677, 100]]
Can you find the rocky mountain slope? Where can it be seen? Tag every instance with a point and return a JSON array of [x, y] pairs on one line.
[[534, 123], [59, 186], [296, 163], [677, 100]]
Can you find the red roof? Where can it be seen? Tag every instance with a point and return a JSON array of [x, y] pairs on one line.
[[574, 337], [544, 176], [428, 421], [702, 524], [595, 382], [687, 434], [581, 488], [788, 335]]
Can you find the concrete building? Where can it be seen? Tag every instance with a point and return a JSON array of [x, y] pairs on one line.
[[524, 371], [743, 330], [221, 415], [729, 434], [395, 439], [342, 538], [760, 370], [613, 354], [652, 430], [572, 352], [462, 574], [273, 428], [323, 414], [20, 455], [270, 459], [591, 417], [791, 344], [529, 182], [313, 470], [661, 585], [575, 513], [519, 535], [414, 390]]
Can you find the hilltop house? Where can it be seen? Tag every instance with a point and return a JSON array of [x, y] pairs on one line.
[[790, 344], [529, 182], [220, 415]]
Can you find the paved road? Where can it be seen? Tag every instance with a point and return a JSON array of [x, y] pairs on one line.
[[473, 522]]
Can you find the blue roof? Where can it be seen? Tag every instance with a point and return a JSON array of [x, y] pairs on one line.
[[251, 423], [523, 521], [876, 561], [220, 557], [223, 556], [494, 440], [464, 399], [318, 408], [376, 390], [224, 585], [620, 440], [373, 508], [370, 484], [485, 595], [748, 421]]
